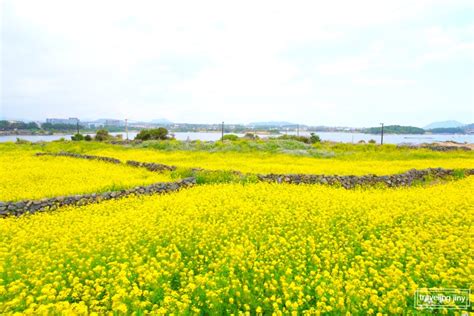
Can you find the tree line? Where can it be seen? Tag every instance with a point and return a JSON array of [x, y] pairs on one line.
[[33, 126]]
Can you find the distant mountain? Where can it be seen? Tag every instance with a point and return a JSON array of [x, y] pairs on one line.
[[272, 123], [447, 130], [161, 121], [468, 129], [444, 124], [465, 129]]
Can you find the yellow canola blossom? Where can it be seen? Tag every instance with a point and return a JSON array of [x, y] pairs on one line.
[[25, 176], [266, 162], [241, 249]]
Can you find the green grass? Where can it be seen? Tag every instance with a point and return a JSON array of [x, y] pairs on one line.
[[459, 174], [341, 151], [213, 176]]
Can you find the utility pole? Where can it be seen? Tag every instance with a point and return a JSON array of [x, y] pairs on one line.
[[126, 127], [77, 125], [222, 138], [298, 130], [381, 135]]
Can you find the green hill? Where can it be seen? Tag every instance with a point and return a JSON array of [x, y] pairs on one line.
[[394, 129]]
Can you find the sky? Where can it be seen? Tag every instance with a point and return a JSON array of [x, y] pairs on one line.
[[333, 63]]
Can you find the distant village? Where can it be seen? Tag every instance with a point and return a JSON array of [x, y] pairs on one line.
[[72, 123]]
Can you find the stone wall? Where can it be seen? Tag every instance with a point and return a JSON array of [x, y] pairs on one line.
[[448, 148], [348, 182], [436, 147], [73, 155], [151, 166], [33, 206]]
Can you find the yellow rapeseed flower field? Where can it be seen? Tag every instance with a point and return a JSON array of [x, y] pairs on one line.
[[26, 176], [266, 162], [243, 249]]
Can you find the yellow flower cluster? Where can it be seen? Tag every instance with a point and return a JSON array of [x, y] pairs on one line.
[[25, 176], [242, 249], [265, 162]]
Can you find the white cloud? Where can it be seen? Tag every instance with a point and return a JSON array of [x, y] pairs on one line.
[[115, 55], [460, 50], [344, 66], [445, 44], [384, 82]]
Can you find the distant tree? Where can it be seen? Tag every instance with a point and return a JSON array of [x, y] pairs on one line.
[[160, 133], [230, 137], [372, 141], [4, 125], [251, 136], [395, 129], [102, 135], [10, 126], [77, 137], [304, 139], [88, 138], [32, 125], [314, 138], [60, 127]]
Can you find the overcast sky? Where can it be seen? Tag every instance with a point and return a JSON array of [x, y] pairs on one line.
[[346, 63]]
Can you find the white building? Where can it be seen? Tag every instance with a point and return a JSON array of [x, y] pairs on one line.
[[69, 121], [114, 123]]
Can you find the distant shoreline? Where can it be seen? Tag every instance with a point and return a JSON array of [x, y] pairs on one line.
[[67, 133], [281, 132], [340, 137]]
